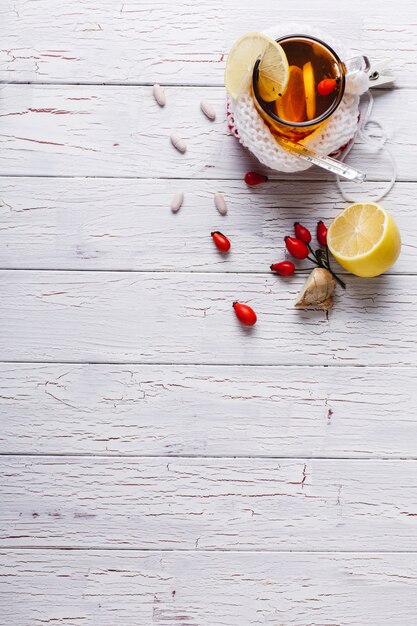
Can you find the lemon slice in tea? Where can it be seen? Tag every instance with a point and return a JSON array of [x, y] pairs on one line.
[[310, 90], [365, 239], [273, 73], [273, 68]]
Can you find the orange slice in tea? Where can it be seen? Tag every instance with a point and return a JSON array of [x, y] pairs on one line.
[[291, 107], [310, 90]]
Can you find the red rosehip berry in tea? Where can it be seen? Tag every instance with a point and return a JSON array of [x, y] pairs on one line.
[[301, 232], [321, 233], [297, 248], [221, 242], [245, 314], [326, 86], [253, 178], [284, 268]]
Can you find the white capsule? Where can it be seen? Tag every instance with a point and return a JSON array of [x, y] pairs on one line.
[[177, 201], [208, 110], [178, 143], [220, 203], [159, 95]]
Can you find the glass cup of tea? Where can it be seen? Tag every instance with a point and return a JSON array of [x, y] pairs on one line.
[[315, 88]]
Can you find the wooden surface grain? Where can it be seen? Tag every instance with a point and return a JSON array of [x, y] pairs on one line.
[[165, 317], [159, 464], [234, 504], [75, 130], [109, 224], [193, 588], [143, 41], [208, 410]]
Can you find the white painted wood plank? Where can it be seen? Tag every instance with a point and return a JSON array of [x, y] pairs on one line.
[[190, 589], [120, 131], [208, 410], [144, 41], [188, 318], [237, 504], [107, 224]]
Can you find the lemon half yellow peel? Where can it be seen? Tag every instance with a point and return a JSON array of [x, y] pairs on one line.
[[364, 239]]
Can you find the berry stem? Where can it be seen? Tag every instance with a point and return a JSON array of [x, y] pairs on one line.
[[312, 252], [335, 276]]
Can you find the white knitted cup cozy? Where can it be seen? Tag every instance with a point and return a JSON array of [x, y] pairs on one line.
[[330, 138]]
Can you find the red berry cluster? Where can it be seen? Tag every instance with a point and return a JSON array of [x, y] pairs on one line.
[[300, 248]]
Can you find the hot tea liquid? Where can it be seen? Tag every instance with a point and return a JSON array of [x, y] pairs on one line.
[[309, 64]]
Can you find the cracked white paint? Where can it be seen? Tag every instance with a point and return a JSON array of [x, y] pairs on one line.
[[181, 43], [200, 588], [110, 224], [206, 503], [188, 318], [208, 410], [87, 138]]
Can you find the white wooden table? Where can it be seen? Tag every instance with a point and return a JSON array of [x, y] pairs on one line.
[[160, 465]]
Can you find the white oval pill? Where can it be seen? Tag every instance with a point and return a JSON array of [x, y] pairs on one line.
[[177, 201], [208, 110], [178, 143], [220, 203], [159, 95]]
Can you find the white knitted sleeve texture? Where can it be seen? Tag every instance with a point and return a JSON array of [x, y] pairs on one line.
[[253, 133]]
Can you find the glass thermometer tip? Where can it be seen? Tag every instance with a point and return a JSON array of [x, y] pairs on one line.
[[325, 162]]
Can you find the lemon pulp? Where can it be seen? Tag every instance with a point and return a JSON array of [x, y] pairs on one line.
[[364, 239], [273, 66], [310, 90]]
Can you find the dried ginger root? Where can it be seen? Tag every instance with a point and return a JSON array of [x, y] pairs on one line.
[[317, 291]]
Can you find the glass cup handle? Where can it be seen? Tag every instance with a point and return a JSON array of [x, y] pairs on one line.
[[357, 64]]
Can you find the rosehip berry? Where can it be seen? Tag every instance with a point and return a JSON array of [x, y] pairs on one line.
[[297, 248], [326, 86], [245, 314], [301, 232], [285, 268], [253, 178], [322, 233], [221, 242]]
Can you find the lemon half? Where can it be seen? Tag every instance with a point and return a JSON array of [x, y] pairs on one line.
[[364, 239], [273, 68]]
